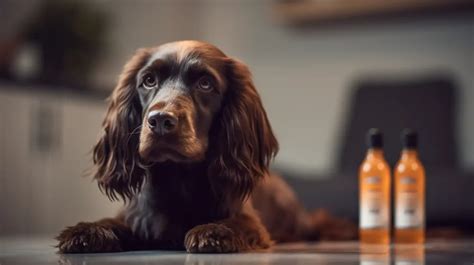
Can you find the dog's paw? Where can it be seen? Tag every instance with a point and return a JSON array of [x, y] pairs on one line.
[[88, 238], [212, 238]]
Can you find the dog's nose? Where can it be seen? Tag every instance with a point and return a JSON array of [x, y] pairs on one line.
[[161, 122]]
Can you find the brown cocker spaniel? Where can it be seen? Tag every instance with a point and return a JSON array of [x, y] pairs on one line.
[[186, 144]]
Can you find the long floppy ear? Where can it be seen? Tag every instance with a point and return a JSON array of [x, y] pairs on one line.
[[244, 143], [118, 170]]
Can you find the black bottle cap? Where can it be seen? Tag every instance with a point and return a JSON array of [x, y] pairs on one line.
[[374, 138], [409, 138]]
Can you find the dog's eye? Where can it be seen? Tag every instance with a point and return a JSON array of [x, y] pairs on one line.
[[149, 81], [205, 84]]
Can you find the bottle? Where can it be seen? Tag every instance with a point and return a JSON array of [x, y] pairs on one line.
[[374, 193], [409, 192]]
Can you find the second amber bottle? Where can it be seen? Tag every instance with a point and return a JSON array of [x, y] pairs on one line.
[[409, 192]]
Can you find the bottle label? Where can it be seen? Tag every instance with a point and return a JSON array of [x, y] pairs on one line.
[[373, 212], [409, 208]]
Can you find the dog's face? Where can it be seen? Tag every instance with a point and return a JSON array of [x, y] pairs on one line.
[[184, 102], [181, 88]]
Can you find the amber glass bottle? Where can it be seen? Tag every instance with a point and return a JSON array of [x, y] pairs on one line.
[[409, 193], [374, 193]]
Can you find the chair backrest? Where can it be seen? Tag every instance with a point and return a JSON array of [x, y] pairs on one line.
[[426, 105]]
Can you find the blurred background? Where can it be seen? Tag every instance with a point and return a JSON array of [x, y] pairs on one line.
[[327, 71]]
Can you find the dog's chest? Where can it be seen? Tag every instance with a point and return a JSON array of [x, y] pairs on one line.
[[163, 214]]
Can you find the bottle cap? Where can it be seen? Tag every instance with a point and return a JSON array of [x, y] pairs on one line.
[[409, 138], [374, 138]]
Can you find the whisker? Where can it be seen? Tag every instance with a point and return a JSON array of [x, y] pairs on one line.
[[135, 131]]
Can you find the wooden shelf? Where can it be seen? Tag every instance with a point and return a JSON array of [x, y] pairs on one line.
[[321, 11]]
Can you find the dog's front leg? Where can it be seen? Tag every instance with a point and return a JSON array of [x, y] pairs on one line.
[[106, 235], [242, 232]]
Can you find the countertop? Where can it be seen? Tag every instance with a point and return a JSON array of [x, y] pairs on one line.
[[40, 250]]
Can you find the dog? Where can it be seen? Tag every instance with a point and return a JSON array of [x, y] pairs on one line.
[[186, 145]]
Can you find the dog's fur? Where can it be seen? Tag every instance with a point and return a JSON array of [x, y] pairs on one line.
[[197, 184]]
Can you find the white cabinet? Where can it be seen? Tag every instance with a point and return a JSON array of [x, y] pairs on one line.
[[45, 142], [16, 176]]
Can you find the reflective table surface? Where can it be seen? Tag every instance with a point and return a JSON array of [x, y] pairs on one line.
[[20, 250]]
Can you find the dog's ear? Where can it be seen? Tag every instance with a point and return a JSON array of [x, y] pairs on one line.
[[243, 143], [118, 169]]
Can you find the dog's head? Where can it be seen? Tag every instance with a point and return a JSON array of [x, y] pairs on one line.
[[184, 102]]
